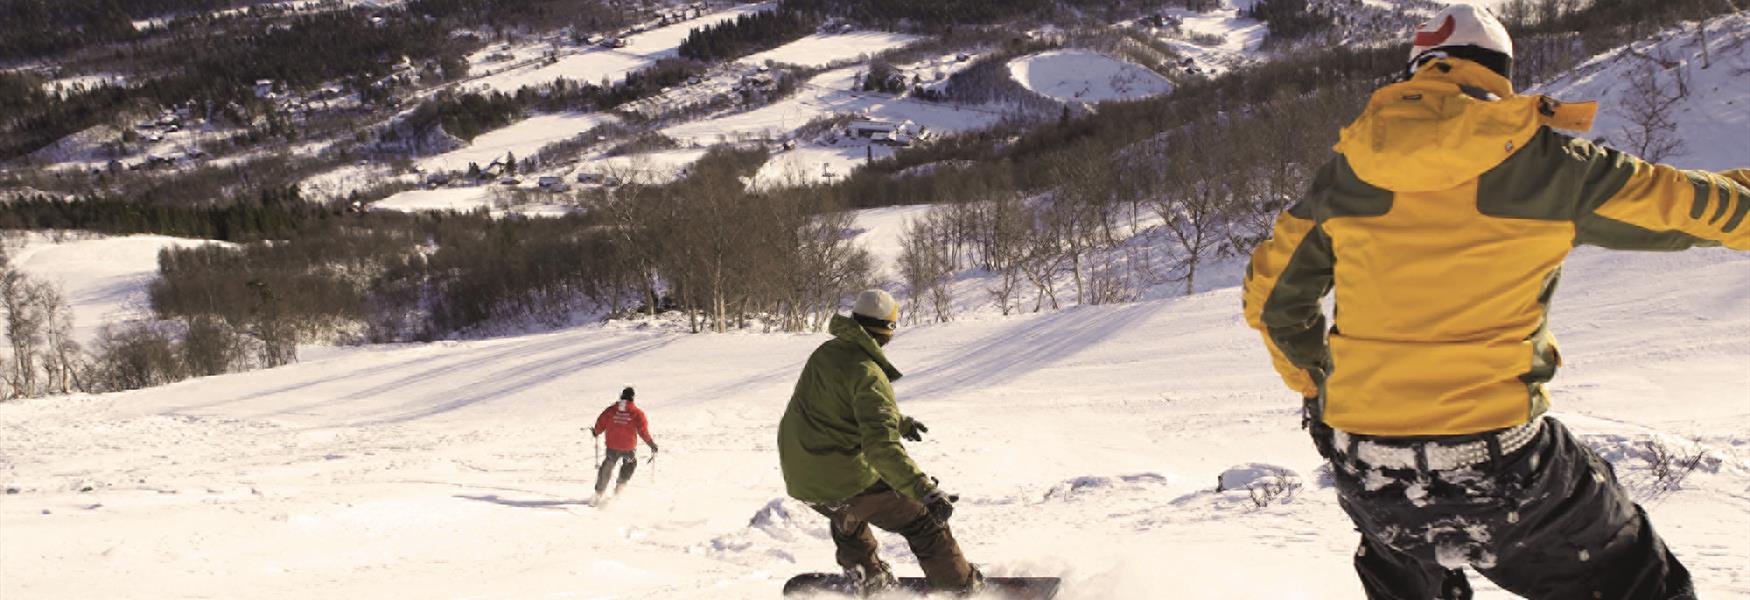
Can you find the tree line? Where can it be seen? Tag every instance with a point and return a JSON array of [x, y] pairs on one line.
[[749, 33], [703, 248], [272, 213]]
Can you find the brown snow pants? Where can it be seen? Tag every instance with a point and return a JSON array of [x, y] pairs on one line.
[[930, 540]]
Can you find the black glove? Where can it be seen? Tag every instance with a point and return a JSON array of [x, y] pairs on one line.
[[912, 429], [653, 448], [940, 505]]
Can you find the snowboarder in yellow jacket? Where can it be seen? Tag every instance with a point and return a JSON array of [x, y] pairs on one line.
[[1441, 227]]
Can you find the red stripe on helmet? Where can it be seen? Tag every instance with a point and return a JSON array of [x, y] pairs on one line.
[[1438, 36]]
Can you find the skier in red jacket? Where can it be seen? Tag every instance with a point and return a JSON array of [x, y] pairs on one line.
[[624, 423]]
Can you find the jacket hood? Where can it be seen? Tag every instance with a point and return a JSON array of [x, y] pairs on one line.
[[847, 329], [1450, 123]]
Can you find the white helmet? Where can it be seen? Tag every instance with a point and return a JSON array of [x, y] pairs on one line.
[[1464, 31]]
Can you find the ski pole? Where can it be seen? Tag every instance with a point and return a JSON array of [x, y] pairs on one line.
[[595, 445]]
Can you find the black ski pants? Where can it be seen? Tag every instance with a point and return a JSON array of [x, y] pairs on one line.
[[607, 469], [1548, 521]]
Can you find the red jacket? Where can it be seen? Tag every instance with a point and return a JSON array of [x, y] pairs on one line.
[[624, 427]]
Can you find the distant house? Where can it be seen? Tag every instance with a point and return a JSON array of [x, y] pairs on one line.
[[263, 88], [889, 133], [552, 183]]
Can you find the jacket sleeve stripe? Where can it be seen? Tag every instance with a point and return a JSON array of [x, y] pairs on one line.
[[1653, 199], [1698, 206], [1270, 262]]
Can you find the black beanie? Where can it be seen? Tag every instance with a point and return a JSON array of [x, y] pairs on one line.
[[626, 394]]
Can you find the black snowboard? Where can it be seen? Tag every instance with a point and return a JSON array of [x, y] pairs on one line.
[[1006, 588]]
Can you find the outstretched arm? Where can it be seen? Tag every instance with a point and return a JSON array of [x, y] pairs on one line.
[[1630, 204]]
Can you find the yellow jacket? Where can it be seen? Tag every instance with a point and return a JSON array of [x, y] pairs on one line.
[[1442, 226]]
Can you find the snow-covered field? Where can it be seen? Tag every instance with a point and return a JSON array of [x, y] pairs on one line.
[[812, 163], [102, 278], [830, 93], [593, 65], [1084, 76], [522, 139], [826, 48], [1085, 443]]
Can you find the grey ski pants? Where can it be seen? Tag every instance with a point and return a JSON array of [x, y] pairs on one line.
[[607, 469], [1547, 522]]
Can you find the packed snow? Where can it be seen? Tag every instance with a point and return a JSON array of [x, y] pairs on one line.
[[824, 49], [1085, 76]]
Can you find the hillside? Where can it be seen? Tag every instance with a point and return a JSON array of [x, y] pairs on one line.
[[1085, 443], [1065, 194]]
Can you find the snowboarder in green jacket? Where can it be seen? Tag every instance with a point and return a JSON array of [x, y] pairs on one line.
[[840, 450]]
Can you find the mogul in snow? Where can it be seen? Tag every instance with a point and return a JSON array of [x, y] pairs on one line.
[[1442, 226], [840, 451], [624, 423]]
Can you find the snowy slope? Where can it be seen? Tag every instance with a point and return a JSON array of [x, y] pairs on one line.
[[1084, 76], [1216, 41], [1713, 118], [826, 48], [102, 278], [522, 138], [1084, 442]]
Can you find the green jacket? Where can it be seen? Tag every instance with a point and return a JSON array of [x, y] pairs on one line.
[[840, 433]]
